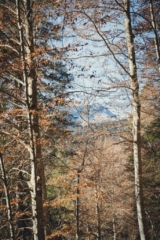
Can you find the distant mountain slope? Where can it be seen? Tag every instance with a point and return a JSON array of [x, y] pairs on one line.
[[96, 112]]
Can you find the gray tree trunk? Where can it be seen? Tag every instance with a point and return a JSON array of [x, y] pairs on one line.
[[156, 39], [134, 85]]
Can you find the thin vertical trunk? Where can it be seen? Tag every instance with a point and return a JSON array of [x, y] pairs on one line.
[[79, 171], [97, 190], [156, 39], [88, 238], [9, 210], [98, 221], [134, 85], [114, 228], [77, 206]]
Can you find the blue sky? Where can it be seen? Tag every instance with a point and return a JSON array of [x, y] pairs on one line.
[[93, 68]]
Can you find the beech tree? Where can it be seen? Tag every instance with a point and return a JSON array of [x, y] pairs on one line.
[[22, 34], [134, 84], [99, 16], [35, 80]]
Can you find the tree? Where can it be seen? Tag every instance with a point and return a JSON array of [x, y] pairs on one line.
[[155, 30], [29, 97], [101, 213], [34, 83], [134, 84], [98, 16], [22, 34], [150, 157], [7, 196]]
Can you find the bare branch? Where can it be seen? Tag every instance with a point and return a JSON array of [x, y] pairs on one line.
[[10, 47], [20, 170], [10, 9], [16, 79], [27, 146], [9, 94]]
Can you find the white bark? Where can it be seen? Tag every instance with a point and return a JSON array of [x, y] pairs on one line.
[[37, 169], [134, 85], [25, 26]]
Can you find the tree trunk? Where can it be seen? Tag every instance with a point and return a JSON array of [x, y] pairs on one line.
[[114, 228], [98, 216], [37, 168], [156, 39], [9, 210], [79, 171], [134, 85], [77, 206], [98, 221], [25, 25]]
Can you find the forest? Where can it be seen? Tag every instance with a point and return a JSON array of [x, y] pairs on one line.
[[79, 120]]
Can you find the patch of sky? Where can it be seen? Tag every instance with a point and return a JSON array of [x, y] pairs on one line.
[[91, 64]]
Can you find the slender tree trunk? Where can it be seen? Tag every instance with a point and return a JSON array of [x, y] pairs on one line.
[[134, 85], [156, 39], [114, 228], [79, 171], [98, 221], [88, 238], [77, 206], [98, 216], [25, 25], [9, 210]]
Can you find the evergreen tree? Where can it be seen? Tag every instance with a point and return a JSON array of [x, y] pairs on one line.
[[151, 176]]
